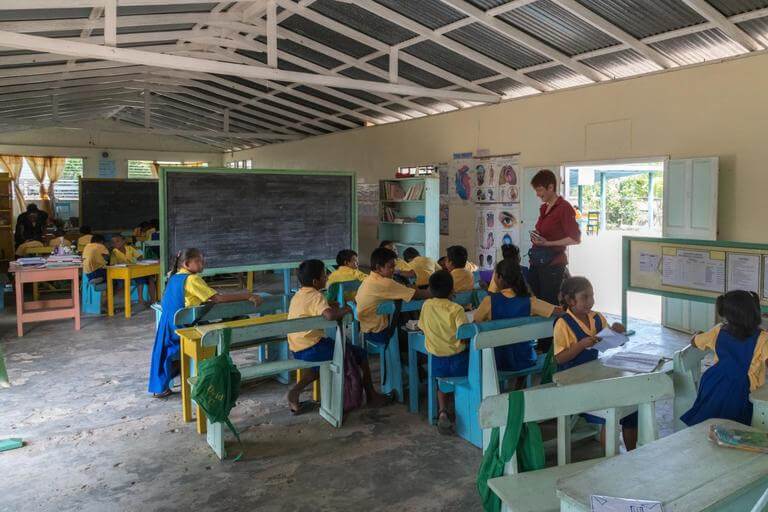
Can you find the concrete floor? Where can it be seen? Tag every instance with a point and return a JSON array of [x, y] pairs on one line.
[[95, 441]]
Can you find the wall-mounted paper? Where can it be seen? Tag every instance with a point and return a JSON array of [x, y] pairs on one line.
[[743, 272], [649, 262], [695, 270]]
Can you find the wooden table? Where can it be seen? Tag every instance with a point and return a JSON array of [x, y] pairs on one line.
[[126, 273], [685, 472], [41, 310]]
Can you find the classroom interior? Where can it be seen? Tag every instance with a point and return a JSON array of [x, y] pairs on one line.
[[268, 132]]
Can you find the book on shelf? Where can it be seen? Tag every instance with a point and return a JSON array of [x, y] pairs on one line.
[[393, 190], [415, 192], [388, 214]]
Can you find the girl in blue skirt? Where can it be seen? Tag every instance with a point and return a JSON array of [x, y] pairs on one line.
[[741, 350]]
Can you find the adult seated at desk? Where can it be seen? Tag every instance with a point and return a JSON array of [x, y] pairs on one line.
[[124, 254], [85, 238], [23, 249], [30, 225], [185, 288]]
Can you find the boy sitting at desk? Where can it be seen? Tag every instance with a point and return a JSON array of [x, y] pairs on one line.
[[312, 345], [347, 269], [94, 262], [124, 254], [423, 266], [85, 238], [463, 279]]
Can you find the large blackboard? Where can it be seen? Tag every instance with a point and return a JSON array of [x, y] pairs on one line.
[[117, 205], [257, 218]]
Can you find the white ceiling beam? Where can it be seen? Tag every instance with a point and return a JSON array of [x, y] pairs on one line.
[[509, 6], [141, 20], [271, 33], [731, 30], [510, 32], [147, 109], [110, 22], [393, 65], [615, 32], [131, 56], [76, 4]]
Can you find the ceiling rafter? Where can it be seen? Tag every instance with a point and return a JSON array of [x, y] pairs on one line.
[[716, 17]]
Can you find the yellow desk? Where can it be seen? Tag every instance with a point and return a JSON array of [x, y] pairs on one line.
[[192, 352], [126, 273]]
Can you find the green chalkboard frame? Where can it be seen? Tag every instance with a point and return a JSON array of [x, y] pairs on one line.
[[247, 268]]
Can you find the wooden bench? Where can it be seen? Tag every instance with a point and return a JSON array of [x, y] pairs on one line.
[[535, 491], [331, 371]]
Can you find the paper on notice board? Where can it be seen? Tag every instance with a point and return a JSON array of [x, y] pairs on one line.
[[743, 272], [696, 270], [649, 262], [610, 504], [610, 339]]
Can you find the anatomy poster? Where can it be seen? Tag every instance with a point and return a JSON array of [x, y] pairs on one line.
[[461, 180], [496, 224], [494, 179]]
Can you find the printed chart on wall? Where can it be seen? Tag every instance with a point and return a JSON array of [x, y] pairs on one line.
[[694, 269], [496, 225]]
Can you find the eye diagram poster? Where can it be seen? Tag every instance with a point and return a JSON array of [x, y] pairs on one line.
[[496, 225], [743, 272], [696, 270]]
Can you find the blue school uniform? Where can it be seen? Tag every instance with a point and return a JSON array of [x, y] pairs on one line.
[[586, 356], [519, 355], [724, 387], [166, 348]]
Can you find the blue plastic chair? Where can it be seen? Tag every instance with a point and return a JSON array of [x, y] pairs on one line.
[[90, 295]]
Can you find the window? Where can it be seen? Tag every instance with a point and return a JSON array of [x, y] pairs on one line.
[[142, 169], [411, 171], [66, 189]]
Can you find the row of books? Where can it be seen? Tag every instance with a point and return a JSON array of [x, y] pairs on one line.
[[395, 192]]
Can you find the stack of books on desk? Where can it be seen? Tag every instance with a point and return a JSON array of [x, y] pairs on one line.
[[30, 262], [65, 260]]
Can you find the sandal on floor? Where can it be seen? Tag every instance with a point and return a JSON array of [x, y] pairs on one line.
[[164, 394], [301, 409], [444, 424]]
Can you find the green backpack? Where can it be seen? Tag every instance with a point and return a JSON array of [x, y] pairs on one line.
[[218, 386]]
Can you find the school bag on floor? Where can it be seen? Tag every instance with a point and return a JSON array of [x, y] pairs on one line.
[[353, 383], [218, 386]]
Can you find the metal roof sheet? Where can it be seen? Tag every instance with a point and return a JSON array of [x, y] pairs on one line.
[[509, 87], [757, 28], [326, 36], [449, 60], [733, 7], [559, 77], [622, 64], [362, 21], [163, 8], [431, 13], [553, 25], [643, 18], [487, 4], [699, 47], [489, 42], [412, 73], [45, 14]]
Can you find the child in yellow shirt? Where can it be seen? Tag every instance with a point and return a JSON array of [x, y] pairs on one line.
[[348, 268], [401, 267], [21, 251], [185, 288], [313, 346], [439, 319], [94, 262], [85, 238], [575, 335], [421, 265], [58, 239], [124, 254], [456, 262]]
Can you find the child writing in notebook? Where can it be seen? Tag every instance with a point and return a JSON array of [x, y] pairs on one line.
[[439, 319], [741, 351], [95, 253], [575, 335], [421, 265], [514, 300], [124, 254], [456, 263], [185, 288], [313, 346]]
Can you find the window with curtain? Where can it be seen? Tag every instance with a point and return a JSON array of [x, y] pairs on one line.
[[142, 169], [67, 188]]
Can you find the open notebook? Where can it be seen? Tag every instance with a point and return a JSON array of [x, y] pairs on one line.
[[633, 362]]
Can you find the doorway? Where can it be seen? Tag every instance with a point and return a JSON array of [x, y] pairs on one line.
[[613, 199]]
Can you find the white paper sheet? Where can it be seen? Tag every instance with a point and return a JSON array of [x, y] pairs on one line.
[[743, 272], [695, 270], [649, 262], [611, 504], [610, 339], [633, 362]]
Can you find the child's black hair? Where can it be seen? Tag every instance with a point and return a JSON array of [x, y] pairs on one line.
[[441, 284], [85, 230], [309, 270], [184, 256], [381, 256], [154, 223], [510, 252], [741, 310], [97, 239], [144, 225], [410, 253], [571, 287], [385, 244], [512, 276], [345, 256], [457, 255]]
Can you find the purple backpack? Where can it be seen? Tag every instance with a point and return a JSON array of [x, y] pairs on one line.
[[353, 383]]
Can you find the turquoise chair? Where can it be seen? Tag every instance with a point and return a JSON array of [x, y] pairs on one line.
[[90, 295]]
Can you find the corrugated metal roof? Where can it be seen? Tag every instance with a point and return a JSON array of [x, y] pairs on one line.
[[643, 18], [301, 51], [431, 13], [757, 28], [363, 21], [559, 77], [557, 27], [489, 42], [45, 14], [509, 87], [487, 4], [412, 73], [163, 9], [326, 36], [699, 47], [733, 7], [622, 64], [449, 60]]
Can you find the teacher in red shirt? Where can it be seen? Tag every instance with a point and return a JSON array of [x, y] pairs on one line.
[[556, 229]]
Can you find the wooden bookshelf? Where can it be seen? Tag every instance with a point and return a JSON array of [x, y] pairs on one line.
[[6, 222], [409, 214]]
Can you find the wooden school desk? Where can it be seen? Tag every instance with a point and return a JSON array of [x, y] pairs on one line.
[[41, 310], [684, 471], [126, 273], [192, 352]]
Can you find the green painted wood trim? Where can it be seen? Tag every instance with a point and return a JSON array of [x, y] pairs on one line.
[[715, 244]]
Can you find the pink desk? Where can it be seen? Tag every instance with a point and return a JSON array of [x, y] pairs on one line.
[[40, 310]]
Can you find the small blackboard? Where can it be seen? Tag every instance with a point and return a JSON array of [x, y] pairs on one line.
[[257, 218], [117, 205]]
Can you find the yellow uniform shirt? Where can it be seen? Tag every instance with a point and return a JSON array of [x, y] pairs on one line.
[[148, 233], [708, 341], [439, 319], [344, 274], [538, 307], [375, 290], [402, 266], [196, 290], [307, 302], [82, 242], [124, 257], [463, 280], [564, 337], [93, 257], [471, 267], [22, 249], [424, 267], [56, 242]]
